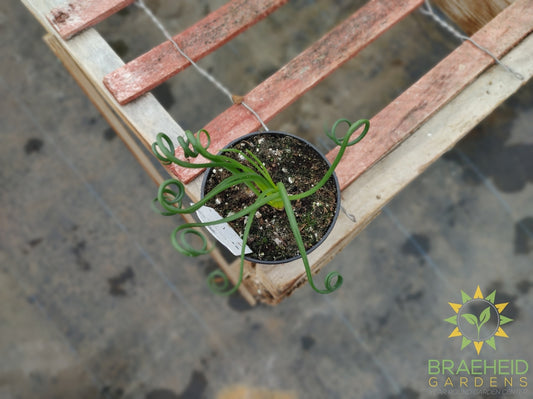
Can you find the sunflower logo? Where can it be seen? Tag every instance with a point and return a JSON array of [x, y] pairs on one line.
[[478, 320]]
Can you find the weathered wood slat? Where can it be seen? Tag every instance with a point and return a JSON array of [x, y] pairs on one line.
[[304, 72], [105, 110], [405, 114], [78, 15], [162, 62]]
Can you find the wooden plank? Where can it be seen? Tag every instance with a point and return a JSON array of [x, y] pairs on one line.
[[472, 15], [405, 114], [78, 15], [304, 72], [98, 101], [367, 195], [162, 62]]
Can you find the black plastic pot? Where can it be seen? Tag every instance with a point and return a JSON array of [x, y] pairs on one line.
[[334, 177]]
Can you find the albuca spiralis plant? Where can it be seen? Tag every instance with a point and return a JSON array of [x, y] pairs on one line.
[[256, 177]]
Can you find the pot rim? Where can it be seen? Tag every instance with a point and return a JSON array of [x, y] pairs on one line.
[[334, 175]]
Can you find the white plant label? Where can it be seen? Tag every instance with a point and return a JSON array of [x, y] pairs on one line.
[[222, 232]]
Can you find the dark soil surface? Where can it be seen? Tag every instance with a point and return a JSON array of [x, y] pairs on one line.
[[299, 167]]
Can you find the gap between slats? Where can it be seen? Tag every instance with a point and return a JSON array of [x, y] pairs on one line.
[[162, 62]]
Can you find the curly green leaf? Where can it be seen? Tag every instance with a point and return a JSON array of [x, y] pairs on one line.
[[344, 143], [352, 128], [218, 282], [179, 239], [255, 175], [331, 277]]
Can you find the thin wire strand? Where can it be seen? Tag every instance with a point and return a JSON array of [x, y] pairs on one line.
[[202, 71], [429, 12], [255, 114]]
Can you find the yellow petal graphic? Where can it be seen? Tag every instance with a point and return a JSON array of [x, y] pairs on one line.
[[501, 333], [501, 306], [478, 294], [455, 306], [455, 333], [478, 345]]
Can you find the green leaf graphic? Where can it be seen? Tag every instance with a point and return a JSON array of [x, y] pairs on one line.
[[452, 320], [465, 342], [484, 316], [504, 320], [465, 297], [491, 296], [490, 342], [470, 318]]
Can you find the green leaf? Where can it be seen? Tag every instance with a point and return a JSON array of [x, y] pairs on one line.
[[484, 316], [333, 280], [470, 318]]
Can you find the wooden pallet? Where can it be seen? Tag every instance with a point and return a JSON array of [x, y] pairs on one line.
[[407, 136]]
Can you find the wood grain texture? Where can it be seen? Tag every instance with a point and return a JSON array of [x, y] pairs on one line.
[[405, 114], [472, 15], [78, 15], [162, 62], [304, 72]]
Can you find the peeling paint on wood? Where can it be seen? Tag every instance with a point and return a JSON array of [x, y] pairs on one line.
[[78, 15]]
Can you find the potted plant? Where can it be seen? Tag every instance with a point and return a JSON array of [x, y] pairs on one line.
[[255, 184]]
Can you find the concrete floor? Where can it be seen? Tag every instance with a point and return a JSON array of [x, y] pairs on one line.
[[96, 304]]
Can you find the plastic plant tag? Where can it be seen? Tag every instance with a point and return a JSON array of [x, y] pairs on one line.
[[222, 232]]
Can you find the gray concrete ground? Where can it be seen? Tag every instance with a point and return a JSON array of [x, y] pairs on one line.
[[95, 303]]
